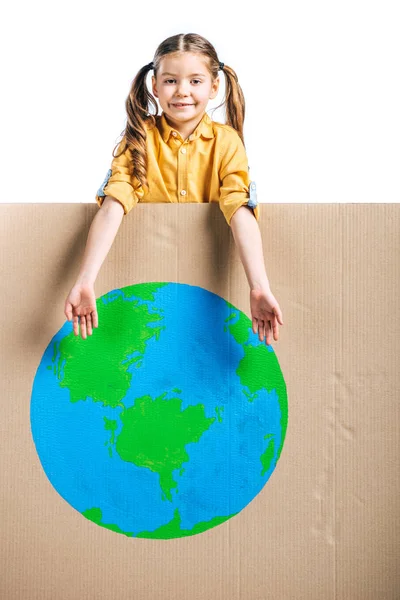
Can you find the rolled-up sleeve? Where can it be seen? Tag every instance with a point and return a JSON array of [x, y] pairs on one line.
[[235, 180], [119, 182]]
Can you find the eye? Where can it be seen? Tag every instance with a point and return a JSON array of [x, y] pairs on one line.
[[198, 80], [169, 80]]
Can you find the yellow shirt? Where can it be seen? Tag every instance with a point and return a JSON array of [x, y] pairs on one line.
[[210, 166]]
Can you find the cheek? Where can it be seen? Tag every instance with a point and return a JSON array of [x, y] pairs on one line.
[[203, 94]]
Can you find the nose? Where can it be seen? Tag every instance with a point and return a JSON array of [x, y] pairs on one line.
[[182, 89]]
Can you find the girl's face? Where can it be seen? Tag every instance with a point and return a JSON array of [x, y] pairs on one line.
[[183, 87]]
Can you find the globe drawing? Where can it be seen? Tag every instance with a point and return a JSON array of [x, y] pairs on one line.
[[168, 420]]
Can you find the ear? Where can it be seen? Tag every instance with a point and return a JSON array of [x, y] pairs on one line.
[[215, 88], [154, 86]]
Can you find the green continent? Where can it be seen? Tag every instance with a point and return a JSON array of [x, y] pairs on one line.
[[98, 366], [240, 329], [173, 528], [144, 291], [168, 531], [155, 433], [110, 425], [219, 410], [268, 454], [95, 515], [259, 366]]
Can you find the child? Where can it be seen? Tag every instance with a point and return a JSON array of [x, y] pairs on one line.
[[151, 162]]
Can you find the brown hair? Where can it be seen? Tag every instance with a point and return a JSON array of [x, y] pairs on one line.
[[140, 99]]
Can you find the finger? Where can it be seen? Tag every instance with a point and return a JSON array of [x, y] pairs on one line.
[[275, 331], [83, 327], [75, 324], [89, 324], [271, 327], [254, 325], [268, 333], [275, 328], [95, 318], [261, 327]]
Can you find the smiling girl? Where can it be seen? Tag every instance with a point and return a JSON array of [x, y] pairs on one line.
[[179, 156]]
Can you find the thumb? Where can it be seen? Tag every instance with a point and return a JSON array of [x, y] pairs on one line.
[[68, 310], [254, 325], [278, 315]]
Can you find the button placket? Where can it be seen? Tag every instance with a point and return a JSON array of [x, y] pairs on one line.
[[182, 173]]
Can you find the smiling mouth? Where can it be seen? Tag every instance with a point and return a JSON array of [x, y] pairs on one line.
[[181, 104]]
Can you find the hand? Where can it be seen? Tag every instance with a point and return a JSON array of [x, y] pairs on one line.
[[265, 313], [81, 303]]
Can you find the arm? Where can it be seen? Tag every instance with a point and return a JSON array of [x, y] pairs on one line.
[[81, 301], [247, 236], [101, 235], [265, 310]]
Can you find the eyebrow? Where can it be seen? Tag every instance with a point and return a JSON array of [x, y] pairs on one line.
[[192, 75]]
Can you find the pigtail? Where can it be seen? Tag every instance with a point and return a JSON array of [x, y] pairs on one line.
[[137, 109], [234, 100]]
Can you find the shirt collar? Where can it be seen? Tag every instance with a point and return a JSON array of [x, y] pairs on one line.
[[204, 128]]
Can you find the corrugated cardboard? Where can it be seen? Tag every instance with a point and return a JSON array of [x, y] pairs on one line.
[[326, 524]]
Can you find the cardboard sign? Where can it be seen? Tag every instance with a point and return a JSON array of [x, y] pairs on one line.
[[252, 471]]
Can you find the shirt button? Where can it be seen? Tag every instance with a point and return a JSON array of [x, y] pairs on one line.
[[183, 192], [174, 133], [183, 150]]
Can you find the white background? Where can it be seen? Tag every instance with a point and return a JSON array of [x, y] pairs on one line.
[[321, 82]]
